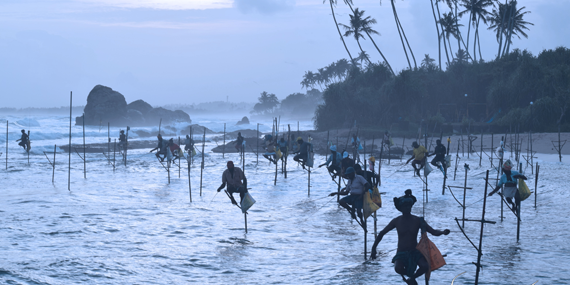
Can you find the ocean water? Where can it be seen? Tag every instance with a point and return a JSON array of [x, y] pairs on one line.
[[128, 225]]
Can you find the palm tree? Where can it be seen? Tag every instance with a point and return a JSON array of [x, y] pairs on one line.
[[449, 27], [356, 28], [428, 63], [461, 56], [476, 10], [336, 24], [362, 57], [507, 20], [368, 30]]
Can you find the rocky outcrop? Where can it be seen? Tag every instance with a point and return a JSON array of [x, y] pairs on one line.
[[105, 105], [244, 121]]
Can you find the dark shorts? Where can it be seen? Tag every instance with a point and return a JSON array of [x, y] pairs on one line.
[[300, 157], [439, 159], [353, 200], [420, 162], [409, 259], [240, 189], [334, 168]]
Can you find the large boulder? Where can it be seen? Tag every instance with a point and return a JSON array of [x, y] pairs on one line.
[[105, 105], [140, 106], [153, 116], [244, 121]]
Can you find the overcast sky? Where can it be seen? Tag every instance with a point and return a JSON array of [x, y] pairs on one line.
[[191, 51]]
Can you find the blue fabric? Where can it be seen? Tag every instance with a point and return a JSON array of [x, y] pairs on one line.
[[504, 180], [338, 159]]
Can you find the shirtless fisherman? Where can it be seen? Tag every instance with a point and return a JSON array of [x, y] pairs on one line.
[[407, 225]]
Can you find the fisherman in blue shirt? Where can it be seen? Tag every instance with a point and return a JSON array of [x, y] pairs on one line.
[[509, 180], [333, 162]]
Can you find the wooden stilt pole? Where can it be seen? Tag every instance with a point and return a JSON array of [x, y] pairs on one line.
[[6, 144], [480, 248], [462, 144], [257, 147], [464, 194], [403, 151], [69, 162], [286, 155], [536, 183], [84, 157], [456, 160], [309, 168], [193, 143], [365, 242], [53, 166], [559, 147], [109, 142], [245, 220], [531, 153], [28, 151], [168, 170], [519, 216], [114, 151], [127, 144], [445, 166], [481, 156], [224, 145], [492, 148], [500, 172], [202, 164], [189, 180], [179, 156]]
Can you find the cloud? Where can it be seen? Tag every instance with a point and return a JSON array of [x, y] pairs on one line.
[[164, 4], [264, 6]]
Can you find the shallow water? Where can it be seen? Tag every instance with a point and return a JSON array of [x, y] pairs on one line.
[[129, 226]]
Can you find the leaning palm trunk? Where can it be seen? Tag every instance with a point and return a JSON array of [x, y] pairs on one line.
[[475, 39], [399, 32], [385, 60], [457, 24], [339, 33], [511, 27], [450, 50], [438, 34], [502, 30], [373, 42], [407, 43], [442, 33], [363, 53], [469, 32], [479, 39]]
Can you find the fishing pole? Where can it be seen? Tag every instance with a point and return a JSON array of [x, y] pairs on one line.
[[213, 198], [398, 170]]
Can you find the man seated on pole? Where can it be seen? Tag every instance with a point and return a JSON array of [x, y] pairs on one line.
[[439, 152], [233, 177], [418, 157], [303, 152], [354, 190], [333, 162]]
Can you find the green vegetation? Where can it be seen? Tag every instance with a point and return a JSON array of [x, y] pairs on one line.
[[498, 92], [468, 91]]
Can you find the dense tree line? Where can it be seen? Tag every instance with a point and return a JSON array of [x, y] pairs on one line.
[[498, 92], [296, 104]]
